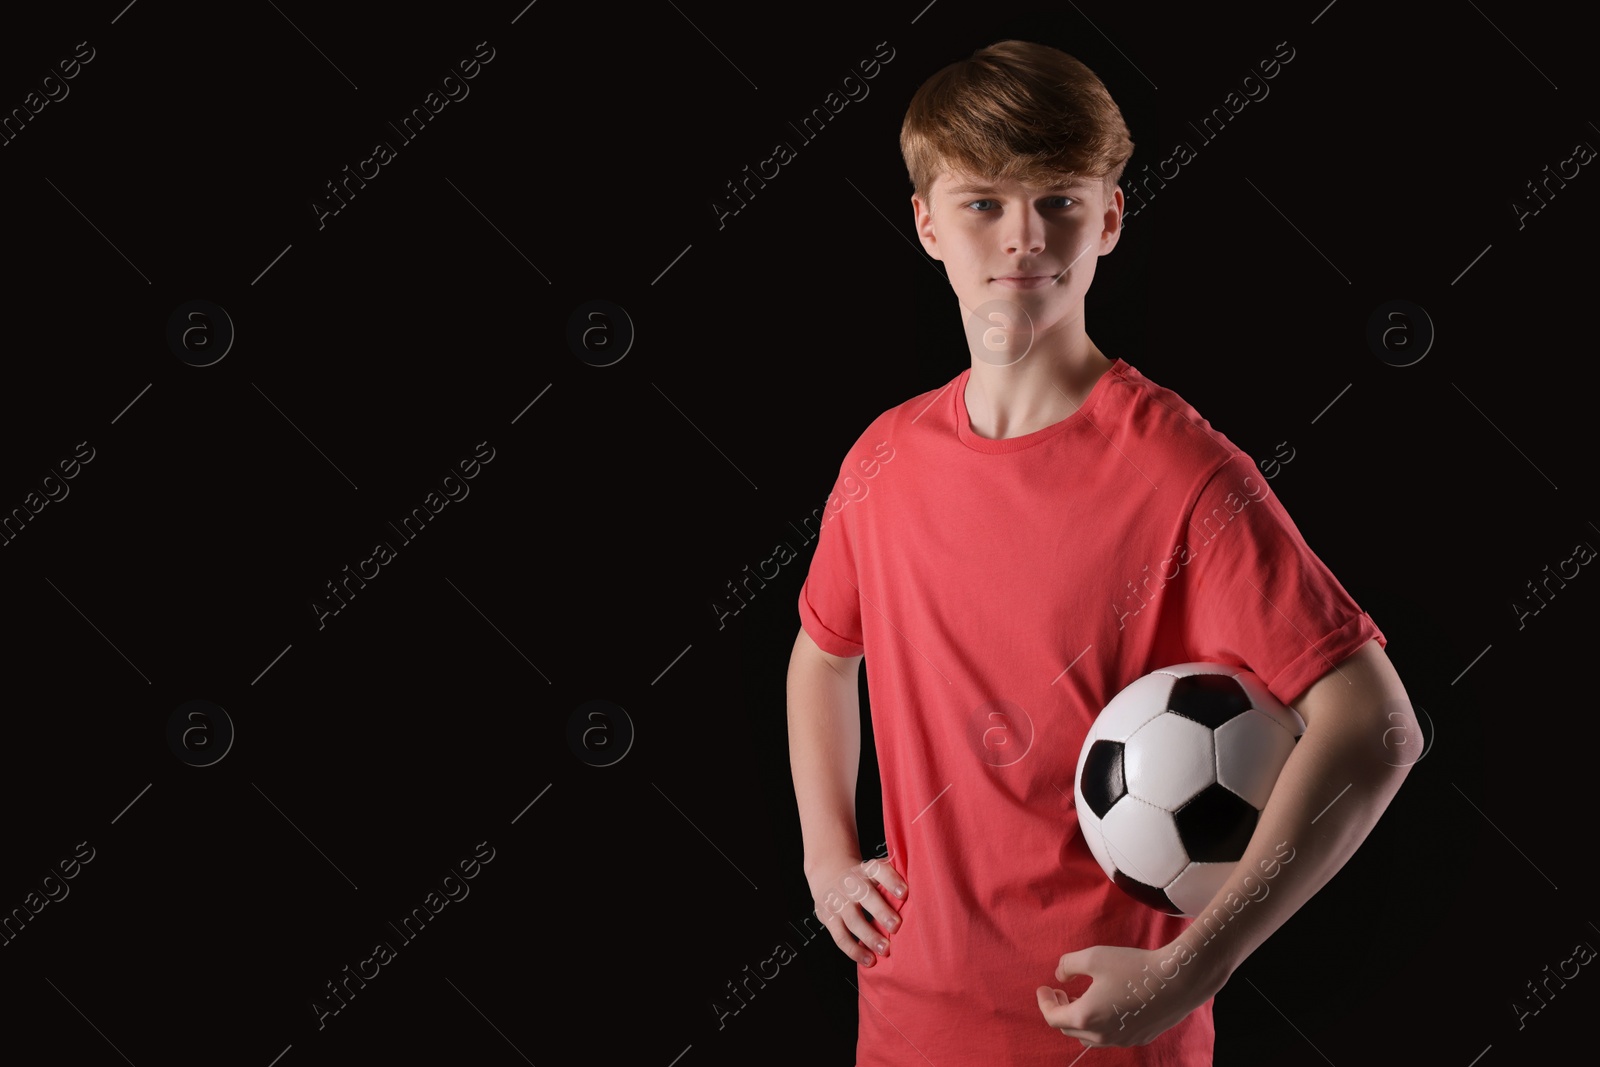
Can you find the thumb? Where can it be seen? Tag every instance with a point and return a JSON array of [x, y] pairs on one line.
[[1072, 963]]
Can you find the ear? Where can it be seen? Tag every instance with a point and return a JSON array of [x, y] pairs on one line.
[[1111, 221], [922, 219]]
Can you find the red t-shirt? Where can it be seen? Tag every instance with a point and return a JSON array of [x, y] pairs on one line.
[[1003, 591]]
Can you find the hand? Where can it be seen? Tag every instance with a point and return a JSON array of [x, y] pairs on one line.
[[844, 891], [1109, 1013]]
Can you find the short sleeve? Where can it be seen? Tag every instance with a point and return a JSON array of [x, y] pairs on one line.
[[830, 601], [1255, 594]]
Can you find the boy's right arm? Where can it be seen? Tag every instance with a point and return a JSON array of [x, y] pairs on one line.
[[825, 756]]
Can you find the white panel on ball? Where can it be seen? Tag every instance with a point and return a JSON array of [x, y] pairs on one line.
[[1168, 760], [1143, 842], [1251, 751], [1130, 709], [1183, 670], [1199, 882]]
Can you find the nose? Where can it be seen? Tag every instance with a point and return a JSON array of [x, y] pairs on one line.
[[1026, 232]]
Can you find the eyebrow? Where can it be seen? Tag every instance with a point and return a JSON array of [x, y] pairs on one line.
[[965, 190]]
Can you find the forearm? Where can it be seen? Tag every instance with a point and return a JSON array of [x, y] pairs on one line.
[[1306, 834], [1330, 794], [824, 758]]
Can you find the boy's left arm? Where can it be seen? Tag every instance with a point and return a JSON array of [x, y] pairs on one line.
[[1360, 740]]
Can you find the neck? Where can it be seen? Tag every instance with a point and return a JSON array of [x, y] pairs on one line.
[[1040, 389]]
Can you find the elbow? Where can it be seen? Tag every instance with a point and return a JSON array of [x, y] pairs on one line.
[[1402, 742], [1363, 710]]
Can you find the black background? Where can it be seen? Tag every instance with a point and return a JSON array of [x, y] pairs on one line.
[[427, 315]]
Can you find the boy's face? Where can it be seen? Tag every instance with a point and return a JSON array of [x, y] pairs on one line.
[[1030, 245]]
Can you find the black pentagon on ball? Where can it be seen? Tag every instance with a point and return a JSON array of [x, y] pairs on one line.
[[1216, 825], [1147, 895], [1102, 780], [1208, 699]]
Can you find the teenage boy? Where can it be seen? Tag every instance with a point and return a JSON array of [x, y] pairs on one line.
[[1049, 526]]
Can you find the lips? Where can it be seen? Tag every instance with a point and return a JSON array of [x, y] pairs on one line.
[[1025, 281]]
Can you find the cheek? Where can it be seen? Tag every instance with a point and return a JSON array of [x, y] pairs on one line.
[[964, 259], [1085, 238], [964, 246]]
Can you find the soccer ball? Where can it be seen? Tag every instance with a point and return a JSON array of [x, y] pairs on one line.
[[1173, 776]]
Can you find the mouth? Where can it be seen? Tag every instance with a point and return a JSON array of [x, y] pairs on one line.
[[1025, 281]]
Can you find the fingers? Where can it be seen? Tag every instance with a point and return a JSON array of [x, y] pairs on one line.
[[1074, 963], [879, 874], [855, 937], [886, 876], [856, 903], [1052, 1005], [863, 889], [1061, 1012], [857, 923], [867, 895]]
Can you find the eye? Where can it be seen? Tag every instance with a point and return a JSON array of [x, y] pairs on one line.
[[1054, 202]]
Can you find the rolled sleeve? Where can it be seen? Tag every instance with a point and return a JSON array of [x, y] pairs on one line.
[[1258, 596]]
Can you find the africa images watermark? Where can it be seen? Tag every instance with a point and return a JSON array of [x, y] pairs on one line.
[[411, 526], [1210, 925], [851, 489], [1211, 526], [13, 523], [1254, 90], [855, 90], [38, 899], [1568, 168], [14, 122], [783, 952], [1582, 554], [452, 888], [383, 153], [1582, 954]]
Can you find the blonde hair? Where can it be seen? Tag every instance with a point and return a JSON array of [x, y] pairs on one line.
[[1015, 111]]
